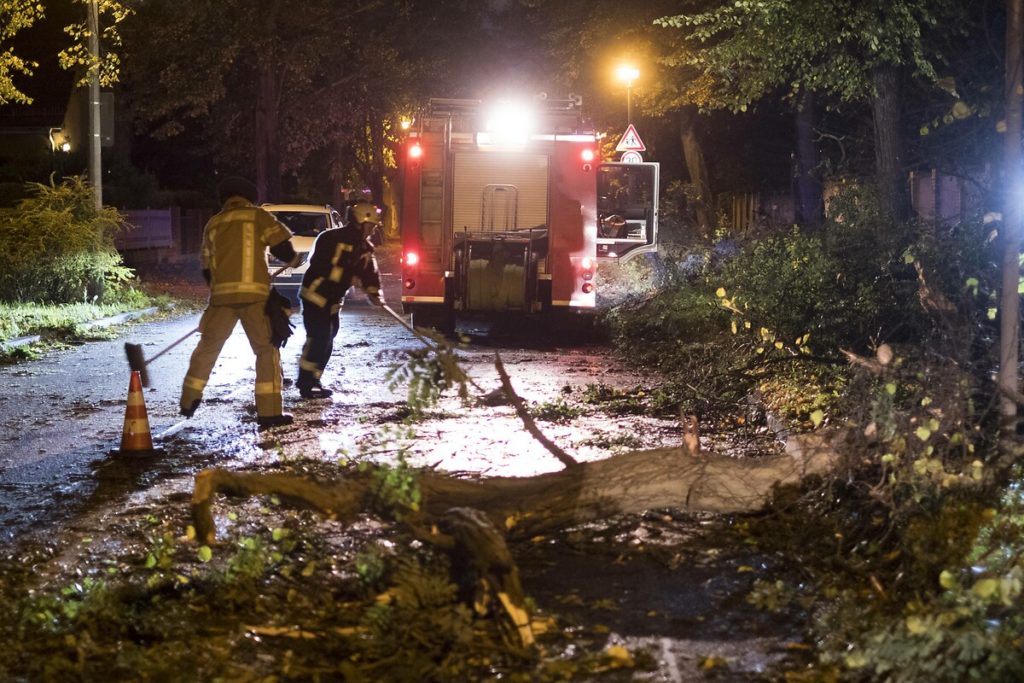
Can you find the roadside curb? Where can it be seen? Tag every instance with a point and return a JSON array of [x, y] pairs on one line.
[[92, 324]]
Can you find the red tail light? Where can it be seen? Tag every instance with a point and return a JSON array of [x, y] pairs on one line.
[[411, 258], [587, 155], [415, 152], [588, 287]]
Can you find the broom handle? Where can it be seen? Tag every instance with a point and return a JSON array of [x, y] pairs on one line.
[[172, 345], [409, 327]]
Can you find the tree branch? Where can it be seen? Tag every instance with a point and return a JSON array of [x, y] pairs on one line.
[[528, 421]]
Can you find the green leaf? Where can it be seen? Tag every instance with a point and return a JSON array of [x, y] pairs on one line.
[[923, 433], [205, 554], [947, 579], [890, 388], [993, 311], [985, 588], [817, 416], [916, 625]]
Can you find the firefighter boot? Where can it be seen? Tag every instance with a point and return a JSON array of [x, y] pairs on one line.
[[282, 420]]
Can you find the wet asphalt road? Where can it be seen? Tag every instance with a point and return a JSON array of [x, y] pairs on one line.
[[62, 416]]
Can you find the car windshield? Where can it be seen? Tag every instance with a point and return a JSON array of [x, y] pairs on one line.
[[304, 223]]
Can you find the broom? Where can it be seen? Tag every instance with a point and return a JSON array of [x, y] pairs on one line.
[[137, 359]]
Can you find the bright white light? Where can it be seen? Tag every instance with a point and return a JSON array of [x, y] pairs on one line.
[[508, 123], [627, 73], [66, 147]]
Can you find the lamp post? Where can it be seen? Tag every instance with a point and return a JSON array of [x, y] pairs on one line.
[[627, 74], [95, 157]]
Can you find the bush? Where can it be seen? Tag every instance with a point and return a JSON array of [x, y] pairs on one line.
[[59, 248]]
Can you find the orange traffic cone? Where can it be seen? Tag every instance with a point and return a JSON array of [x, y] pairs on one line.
[[136, 435]]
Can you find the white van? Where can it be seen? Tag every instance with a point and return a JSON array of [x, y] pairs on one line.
[[306, 221]]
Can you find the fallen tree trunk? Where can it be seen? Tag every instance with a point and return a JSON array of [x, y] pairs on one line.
[[464, 517], [627, 483]]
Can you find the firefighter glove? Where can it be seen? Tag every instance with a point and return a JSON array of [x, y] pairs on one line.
[[279, 311]]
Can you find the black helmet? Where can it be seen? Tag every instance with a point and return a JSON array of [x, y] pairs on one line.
[[234, 186]]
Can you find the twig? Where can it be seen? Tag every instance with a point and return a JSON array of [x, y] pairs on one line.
[[528, 421]]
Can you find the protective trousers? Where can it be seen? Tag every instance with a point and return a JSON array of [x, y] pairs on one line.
[[215, 327], [321, 328]]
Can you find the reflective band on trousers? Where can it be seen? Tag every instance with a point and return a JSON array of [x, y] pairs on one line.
[[266, 388], [195, 383]]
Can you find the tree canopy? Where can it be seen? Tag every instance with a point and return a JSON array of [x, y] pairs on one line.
[[15, 16]]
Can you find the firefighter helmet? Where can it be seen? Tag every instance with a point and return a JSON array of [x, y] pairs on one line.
[[364, 212], [234, 186]]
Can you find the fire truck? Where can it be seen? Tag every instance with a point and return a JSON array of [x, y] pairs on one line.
[[509, 209]]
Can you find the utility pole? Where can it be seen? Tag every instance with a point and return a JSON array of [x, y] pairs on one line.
[[95, 157]]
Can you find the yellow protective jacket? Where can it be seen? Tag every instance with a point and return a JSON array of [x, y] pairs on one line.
[[235, 243]]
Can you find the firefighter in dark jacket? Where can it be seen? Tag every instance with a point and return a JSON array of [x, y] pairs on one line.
[[234, 264], [339, 259]]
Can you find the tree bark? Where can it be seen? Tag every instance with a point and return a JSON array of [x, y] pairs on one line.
[[628, 483], [1009, 303], [267, 123], [810, 206], [885, 109], [696, 167]]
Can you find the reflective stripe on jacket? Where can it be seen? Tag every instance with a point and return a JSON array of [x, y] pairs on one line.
[[235, 243], [339, 257]]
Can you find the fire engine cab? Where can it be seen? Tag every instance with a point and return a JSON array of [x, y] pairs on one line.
[[509, 209]]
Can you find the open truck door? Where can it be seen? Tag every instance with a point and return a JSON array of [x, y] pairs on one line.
[[627, 209]]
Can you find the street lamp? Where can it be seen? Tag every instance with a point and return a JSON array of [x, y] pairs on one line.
[[628, 73]]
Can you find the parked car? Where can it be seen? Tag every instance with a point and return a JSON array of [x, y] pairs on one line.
[[306, 221]]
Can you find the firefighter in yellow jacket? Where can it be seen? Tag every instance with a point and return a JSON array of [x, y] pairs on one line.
[[234, 264], [340, 258]]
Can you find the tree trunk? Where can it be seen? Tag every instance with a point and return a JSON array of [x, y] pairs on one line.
[[376, 180], [268, 155], [1009, 304], [885, 109], [627, 483], [694, 155], [268, 104], [810, 208]]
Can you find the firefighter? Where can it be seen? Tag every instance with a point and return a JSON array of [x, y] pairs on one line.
[[338, 259], [235, 266]]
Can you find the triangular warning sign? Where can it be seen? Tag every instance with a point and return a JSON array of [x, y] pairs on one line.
[[630, 141]]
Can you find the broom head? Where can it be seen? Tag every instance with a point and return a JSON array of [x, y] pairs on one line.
[[137, 361]]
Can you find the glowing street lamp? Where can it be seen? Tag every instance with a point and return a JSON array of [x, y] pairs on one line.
[[627, 74]]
